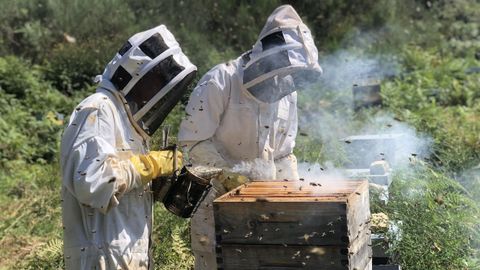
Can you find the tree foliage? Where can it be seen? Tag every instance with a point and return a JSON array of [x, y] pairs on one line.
[[50, 51]]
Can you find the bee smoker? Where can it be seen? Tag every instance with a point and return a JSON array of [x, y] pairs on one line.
[[186, 193], [182, 192]]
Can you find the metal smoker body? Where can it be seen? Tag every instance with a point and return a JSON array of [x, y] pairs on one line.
[[182, 192]]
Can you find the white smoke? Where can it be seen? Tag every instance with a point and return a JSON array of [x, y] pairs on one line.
[[344, 68], [326, 114], [396, 142], [470, 179], [316, 172], [257, 169], [409, 144]]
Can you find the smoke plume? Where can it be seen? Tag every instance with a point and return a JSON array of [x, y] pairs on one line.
[[350, 138]]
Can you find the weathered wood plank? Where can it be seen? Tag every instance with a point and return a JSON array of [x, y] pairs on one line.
[[292, 222], [273, 257], [358, 210], [293, 191], [360, 252], [282, 223], [249, 257], [293, 225]]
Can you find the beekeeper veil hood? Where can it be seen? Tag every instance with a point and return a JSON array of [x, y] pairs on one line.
[[149, 74], [282, 59]]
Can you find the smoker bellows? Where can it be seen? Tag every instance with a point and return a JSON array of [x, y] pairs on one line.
[[294, 225]]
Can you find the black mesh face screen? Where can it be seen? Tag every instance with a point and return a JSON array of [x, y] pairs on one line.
[[273, 40], [121, 78], [153, 46], [152, 82], [265, 65], [273, 89], [168, 68], [125, 48], [155, 117]]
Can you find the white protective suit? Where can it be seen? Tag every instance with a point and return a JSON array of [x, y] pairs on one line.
[[106, 210], [106, 194], [226, 125]]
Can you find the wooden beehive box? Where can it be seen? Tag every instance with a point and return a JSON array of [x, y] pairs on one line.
[[294, 225]]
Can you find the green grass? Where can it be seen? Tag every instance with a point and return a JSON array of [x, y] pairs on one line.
[[436, 219], [434, 202], [31, 224]]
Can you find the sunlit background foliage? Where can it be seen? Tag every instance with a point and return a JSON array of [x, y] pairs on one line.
[[50, 50]]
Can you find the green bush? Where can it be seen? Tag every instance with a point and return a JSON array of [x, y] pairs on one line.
[[29, 106], [87, 19], [171, 241], [16, 77], [438, 97], [47, 75], [25, 28], [73, 67], [436, 221]]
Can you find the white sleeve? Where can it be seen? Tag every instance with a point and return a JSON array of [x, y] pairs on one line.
[[91, 168], [287, 144], [205, 109], [287, 167], [203, 115], [204, 153]]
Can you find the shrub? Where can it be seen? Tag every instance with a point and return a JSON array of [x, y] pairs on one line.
[[437, 96], [29, 106], [171, 241], [436, 221], [73, 67]]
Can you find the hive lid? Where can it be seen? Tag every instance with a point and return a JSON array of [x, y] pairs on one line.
[[295, 191]]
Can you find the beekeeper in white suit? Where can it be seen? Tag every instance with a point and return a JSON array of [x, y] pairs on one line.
[[243, 115], [107, 167]]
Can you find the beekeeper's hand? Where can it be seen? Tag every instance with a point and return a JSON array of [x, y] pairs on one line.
[[155, 164], [231, 180]]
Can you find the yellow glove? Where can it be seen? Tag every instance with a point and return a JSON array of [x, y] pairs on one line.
[[155, 164], [231, 180]]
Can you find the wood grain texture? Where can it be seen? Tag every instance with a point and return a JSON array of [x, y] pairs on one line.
[[293, 219], [240, 256], [294, 225]]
